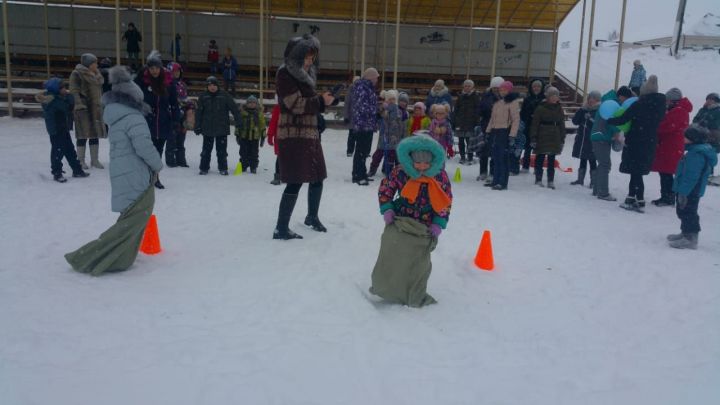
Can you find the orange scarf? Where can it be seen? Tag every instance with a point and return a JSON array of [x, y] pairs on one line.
[[438, 199]]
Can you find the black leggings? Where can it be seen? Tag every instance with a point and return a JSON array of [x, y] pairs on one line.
[[584, 162], [637, 187], [83, 142], [294, 188]]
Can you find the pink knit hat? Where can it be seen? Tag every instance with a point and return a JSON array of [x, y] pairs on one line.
[[507, 85], [420, 105]]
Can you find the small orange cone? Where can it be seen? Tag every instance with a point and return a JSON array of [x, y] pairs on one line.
[[484, 257], [151, 239]]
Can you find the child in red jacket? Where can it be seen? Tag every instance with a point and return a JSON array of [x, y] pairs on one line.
[[271, 133]]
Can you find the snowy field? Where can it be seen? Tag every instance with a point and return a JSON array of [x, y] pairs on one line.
[[587, 305]]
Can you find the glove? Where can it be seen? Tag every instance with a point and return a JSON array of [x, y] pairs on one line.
[[197, 131], [682, 201], [262, 141], [389, 217], [435, 230]]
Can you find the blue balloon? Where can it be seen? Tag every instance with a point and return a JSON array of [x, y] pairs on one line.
[[629, 102], [608, 108]]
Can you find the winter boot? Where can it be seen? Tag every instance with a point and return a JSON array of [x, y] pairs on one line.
[[81, 157], [276, 180], [539, 183], [282, 231], [59, 178], [607, 197], [675, 236], [631, 204], [592, 178], [159, 185], [641, 203], [94, 161], [689, 241], [665, 201], [312, 220], [581, 177], [551, 185], [80, 173]]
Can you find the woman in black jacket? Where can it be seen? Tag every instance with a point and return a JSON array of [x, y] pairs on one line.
[[640, 142], [535, 96], [584, 118], [160, 94]]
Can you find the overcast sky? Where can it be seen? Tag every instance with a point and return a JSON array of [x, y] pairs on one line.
[[645, 19]]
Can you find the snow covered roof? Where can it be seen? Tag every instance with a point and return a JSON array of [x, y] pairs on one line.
[[517, 14], [709, 25]]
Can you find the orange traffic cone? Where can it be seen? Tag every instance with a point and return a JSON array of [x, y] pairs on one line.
[[151, 239], [484, 257]]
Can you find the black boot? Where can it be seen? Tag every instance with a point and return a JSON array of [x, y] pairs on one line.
[[276, 180], [581, 177], [312, 220], [159, 185], [282, 231]]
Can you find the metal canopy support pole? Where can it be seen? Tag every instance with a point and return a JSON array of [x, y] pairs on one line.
[[495, 41], [620, 45], [173, 45], [589, 50], [186, 18], [529, 55], [364, 26], [556, 32], [262, 53], [580, 49], [72, 28], [452, 51], [677, 32], [154, 24], [470, 36], [117, 32], [8, 63], [384, 47], [47, 38], [353, 39], [142, 31], [397, 43]]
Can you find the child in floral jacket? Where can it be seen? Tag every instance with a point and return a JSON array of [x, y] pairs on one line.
[[441, 128], [413, 222]]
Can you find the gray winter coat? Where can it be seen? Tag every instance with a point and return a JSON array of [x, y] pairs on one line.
[[133, 158]]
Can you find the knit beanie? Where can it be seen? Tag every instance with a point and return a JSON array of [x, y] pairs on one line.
[[506, 85], [53, 85], [697, 134], [121, 81], [419, 105], [403, 97], [625, 91], [595, 95], [211, 80], [251, 99], [154, 59], [391, 94], [713, 96], [496, 82], [88, 59], [105, 63], [674, 94], [421, 156], [552, 91], [650, 86], [469, 83]]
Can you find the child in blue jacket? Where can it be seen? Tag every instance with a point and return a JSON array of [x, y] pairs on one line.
[[57, 107], [691, 178]]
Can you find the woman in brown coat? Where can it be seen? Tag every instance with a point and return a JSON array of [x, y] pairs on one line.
[[86, 87], [299, 151], [548, 135]]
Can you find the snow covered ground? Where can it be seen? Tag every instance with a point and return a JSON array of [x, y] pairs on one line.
[[587, 305]]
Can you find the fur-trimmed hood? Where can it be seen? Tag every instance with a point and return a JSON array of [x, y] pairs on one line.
[[295, 52], [439, 93], [128, 100], [420, 142]]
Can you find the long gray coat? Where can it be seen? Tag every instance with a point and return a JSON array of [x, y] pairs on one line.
[[133, 158]]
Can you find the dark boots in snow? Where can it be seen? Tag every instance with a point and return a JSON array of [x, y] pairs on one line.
[[581, 177], [686, 241], [312, 220], [282, 231]]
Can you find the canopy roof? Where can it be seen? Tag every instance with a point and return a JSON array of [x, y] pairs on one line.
[[516, 14]]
